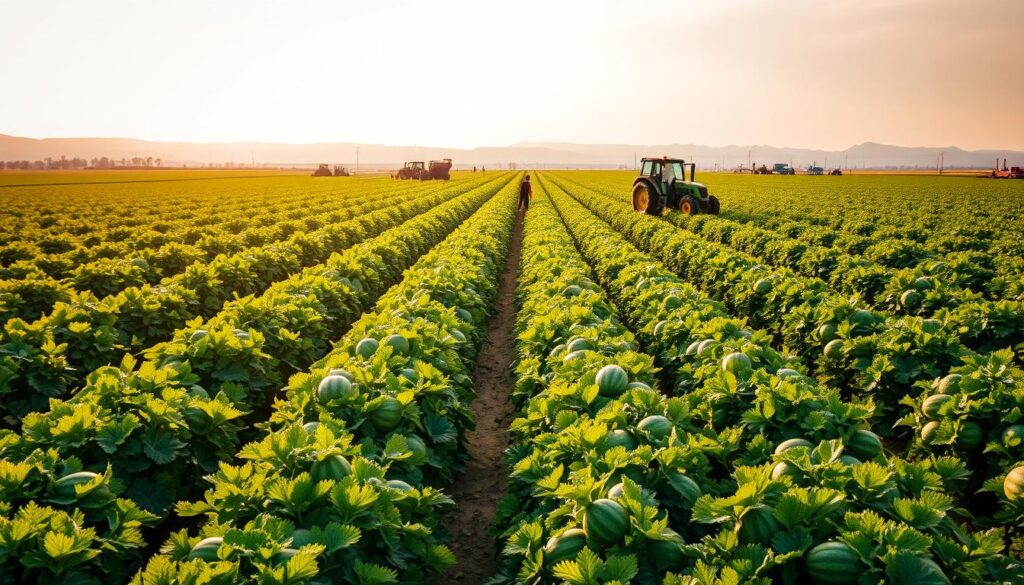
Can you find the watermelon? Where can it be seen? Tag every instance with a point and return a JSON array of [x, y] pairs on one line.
[[1013, 436], [564, 547], [576, 355], [692, 348], [387, 415], [65, 487], [932, 405], [197, 335], [464, 315], [782, 469], [240, 334], [928, 432], [706, 346], [834, 349], [344, 373], [788, 373], [827, 332], [311, 427], [910, 299], [950, 384], [667, 555], [284, 555], [637, 386], [139, 263], [335, 388], [572, 291], [937, 267], [615, 492], [757, 525], [656, 425], [397, 484], [864, 445], [971, 436], [611, 380], [458, 336], [849, 460], [620, 438], [931, 325], [739, 364], [301, 537], [557, 350], [398, 344], [333, 467], [863, 318], [418, 448], [790, 443], [367, 347], [833, 563], [409, 374], [763, 286], [685, 487], [672, 302], [605, 522], [579, 344], [206, 549], [1013, 484], [659, 329], [923, 283]]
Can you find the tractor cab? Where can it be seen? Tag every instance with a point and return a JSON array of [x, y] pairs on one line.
[[413, 170], [662, 185]]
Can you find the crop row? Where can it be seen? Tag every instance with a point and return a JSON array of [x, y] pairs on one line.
[[891, 364], [753, 474], [938, 290], [880, 269], [344, 489], [145, 435], [49, 357], [36, 281]]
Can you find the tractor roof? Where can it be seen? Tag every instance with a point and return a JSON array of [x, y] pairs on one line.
[[661, 159]]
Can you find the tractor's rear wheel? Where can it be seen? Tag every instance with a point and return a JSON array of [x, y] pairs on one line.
[[689, 205], [714, 206], [644, 201]]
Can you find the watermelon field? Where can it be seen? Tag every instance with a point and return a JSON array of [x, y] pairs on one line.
[[281, 379]]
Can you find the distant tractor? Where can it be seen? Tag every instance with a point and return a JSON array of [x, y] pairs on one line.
[[322, 171], [441, 169], [413, 170], [1007, 172], [783, 169], [341, 171], [652, 194], [815, 170], [761, 170], [837, 172], [325, 171]]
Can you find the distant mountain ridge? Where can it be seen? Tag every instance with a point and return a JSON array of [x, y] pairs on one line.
[[525, 154]]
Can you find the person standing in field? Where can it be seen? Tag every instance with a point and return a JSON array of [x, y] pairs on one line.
[[525, 192]]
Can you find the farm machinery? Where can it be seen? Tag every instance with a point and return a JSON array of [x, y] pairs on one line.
[[413, 170], [783, 169], [440, 169], [662, 185], [1007, 172], [437, 169], [325, 171]]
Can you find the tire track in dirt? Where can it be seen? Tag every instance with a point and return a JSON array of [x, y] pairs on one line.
[[481, 485]]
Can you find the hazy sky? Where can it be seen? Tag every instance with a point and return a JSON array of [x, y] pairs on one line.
[[825, 73]]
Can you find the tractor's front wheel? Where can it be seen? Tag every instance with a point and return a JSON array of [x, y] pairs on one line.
[[644, 201], [713, 205], [689, 206]]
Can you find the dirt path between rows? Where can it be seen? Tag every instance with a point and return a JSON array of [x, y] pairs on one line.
[[482, 484]]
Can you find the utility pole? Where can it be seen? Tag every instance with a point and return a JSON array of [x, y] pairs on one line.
[[357, 158]]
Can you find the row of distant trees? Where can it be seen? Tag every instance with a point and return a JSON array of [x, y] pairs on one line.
[[64, 163]]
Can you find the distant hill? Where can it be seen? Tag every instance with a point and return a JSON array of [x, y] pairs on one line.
[[525, 154]]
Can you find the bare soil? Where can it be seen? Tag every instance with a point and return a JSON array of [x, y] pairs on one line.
[[482, 484]]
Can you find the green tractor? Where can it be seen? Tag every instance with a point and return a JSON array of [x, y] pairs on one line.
[[662, 185]]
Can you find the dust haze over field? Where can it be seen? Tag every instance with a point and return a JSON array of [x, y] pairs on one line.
[[464, 74]]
